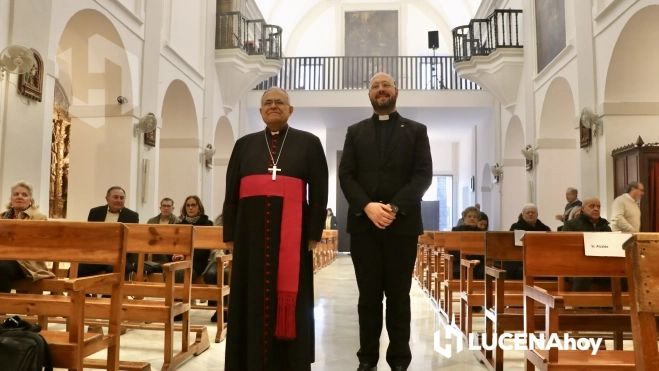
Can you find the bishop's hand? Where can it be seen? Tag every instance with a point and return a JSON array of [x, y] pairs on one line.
[[381, 215]]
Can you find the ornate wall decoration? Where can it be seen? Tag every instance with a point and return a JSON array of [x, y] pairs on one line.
[[30, 83], [585, 135], [59, 155], [150, 138]]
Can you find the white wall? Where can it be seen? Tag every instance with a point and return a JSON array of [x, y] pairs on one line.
[[464, 172]]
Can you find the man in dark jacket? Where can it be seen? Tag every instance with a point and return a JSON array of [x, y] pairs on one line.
[[113, 211], [528, 221], [588, 221]]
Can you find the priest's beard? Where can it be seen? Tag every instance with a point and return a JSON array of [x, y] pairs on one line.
[[384, 107]]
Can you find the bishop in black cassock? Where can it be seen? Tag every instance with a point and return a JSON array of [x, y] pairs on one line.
[[274, 213]]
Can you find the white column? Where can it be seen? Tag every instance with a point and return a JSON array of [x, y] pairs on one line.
[[210, 102], [28, 128]]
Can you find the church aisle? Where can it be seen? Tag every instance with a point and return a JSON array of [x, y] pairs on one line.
[[337, 329], [337, 332]]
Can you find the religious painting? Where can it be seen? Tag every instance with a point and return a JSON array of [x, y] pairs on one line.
[[30, 83], [549, 30], [369, 34], [150, 138], [585, 135]]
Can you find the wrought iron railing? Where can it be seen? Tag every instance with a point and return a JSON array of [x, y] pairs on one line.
[[344, 73], [255, 37], [483, 36]]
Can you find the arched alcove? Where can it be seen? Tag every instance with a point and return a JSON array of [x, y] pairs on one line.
[[558, 112], [513, 184], [94, 71], [179, 164], [224, 141]]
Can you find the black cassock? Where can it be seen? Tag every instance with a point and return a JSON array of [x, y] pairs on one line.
[[254, 225]]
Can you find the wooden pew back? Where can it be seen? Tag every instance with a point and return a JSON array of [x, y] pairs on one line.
[[562, 254], [156, 238], [103, 243], [472, 243], [207, 237], [452, 241], [500, 246]]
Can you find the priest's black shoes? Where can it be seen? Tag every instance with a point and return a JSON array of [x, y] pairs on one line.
[[367, 367]]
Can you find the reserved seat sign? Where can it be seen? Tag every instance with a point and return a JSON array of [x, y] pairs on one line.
[[605, 243]]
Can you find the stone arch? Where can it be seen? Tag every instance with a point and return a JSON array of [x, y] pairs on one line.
[[558, 111], [224, 141], [179, 162], [631, 73], [94, 70]]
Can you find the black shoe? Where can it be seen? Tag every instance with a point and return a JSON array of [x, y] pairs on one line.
[[214, 318], [399, 368], [367, 367], [178, 317]]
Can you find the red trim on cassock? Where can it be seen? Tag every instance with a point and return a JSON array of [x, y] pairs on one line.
[[293, 192]]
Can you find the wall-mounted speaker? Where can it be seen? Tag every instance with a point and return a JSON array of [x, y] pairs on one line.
[[433, 39]]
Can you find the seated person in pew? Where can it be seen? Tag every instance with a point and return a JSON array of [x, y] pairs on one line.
[[588, 221], [113, 212], [527, 222], [192, 212], [21, 206], [470, 216], [210, 273], [166, 216], [483, 222]]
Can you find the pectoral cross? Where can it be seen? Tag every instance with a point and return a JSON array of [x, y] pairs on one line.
[[274, 170]]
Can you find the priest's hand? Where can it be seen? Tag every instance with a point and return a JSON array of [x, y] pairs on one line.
[[177, 257], [381, 215], [312, 244]]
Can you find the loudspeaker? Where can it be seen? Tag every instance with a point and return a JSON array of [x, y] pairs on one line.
[[433, 39]]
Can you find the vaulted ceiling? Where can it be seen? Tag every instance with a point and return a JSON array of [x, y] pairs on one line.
[[294, 16]]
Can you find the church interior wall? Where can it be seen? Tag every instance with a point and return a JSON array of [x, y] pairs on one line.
[[465, 171], [484, 158]]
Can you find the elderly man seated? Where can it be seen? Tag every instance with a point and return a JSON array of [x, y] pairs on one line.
[[588, 221], [528, 221]]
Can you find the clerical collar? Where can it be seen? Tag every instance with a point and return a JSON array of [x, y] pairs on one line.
[[392, 116], [112, 212], [282, 131]]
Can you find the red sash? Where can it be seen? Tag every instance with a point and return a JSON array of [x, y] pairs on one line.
[[293, 192]]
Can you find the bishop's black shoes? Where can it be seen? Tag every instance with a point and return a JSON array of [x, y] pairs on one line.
[[367, 367]]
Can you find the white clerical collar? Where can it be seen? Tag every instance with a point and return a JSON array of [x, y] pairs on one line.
[[383, 117]]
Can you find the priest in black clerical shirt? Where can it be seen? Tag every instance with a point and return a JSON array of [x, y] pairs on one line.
[[385, 170], [272, 226]]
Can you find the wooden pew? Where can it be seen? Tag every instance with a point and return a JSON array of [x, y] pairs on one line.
[[212, 238], [158, 239], [450, 284], [562, 254], [101, 243], [472, 292], [642, 254]]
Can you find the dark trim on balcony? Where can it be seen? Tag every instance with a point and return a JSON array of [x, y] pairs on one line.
[[253, 36], [484, 36], [348, 73]]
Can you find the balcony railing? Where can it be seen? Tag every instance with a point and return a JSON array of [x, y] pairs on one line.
[[255, 37], [344, 73], [483, 36]]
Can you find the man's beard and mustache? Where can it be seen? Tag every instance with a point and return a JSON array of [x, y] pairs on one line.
[[385, 106]]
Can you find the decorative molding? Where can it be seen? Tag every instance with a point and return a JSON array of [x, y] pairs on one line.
[[182, 65], [610, 14], [638, 144], [555, 66]]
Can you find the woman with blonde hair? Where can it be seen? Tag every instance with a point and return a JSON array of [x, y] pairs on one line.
[[22, 206]]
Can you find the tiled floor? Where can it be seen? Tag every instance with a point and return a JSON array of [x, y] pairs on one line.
[[337, 338]]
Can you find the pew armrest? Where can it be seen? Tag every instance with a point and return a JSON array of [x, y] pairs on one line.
[[499, 274], [469, 263], [224, 258], [85, 283], [175, 266], [544, 297]]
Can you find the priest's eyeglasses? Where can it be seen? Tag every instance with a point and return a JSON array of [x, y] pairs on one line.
[[277, 102]]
